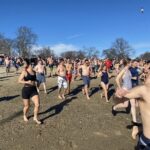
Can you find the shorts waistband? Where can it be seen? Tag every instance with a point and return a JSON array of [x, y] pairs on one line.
[[144, 140]]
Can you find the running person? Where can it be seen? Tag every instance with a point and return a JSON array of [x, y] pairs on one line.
[[62, 81], [17, 64], [7, 64], [126, 77], [28, 78], [69, 69], [103, 73], [142, 94], [86, 71], [50, 62], [40, 69]]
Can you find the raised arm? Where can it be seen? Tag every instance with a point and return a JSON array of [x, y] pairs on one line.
[[119, 77]]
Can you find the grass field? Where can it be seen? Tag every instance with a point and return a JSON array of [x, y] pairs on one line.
[[71, 124]]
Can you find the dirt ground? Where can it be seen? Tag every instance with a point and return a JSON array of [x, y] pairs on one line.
[[73, 124]]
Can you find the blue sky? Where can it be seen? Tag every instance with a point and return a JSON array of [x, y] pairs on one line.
[[72, 24]]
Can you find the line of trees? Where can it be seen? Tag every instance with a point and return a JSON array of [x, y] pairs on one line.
[[25, 39]]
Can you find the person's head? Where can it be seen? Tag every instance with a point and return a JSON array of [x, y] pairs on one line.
[[86, 61], [104, 68], [61, 61], [68, 61], [134, 63], [126, 62], [26, 63], [40, 62]]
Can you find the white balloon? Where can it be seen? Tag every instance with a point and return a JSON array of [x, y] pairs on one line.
[[142, 10]]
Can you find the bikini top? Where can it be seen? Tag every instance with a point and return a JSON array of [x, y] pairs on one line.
[[30, 77]]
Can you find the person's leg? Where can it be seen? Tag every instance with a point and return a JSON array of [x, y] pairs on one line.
[[6, 70], [44, 86], [86, 84], [36, 102], [102, 93], [105, 90], [65, 87], [86, 91], [121, 105], [69, 84], [133, 109], [64, 92], [26, 104], [38, 87], [51, 71], [59, 87]]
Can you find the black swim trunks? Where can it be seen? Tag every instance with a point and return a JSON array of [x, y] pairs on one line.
[[29, 91], [143, 143]]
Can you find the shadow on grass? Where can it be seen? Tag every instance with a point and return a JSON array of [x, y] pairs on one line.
[[56, 109], [94, 90], [8, 98], [52, 89], [8, 119], [6, 77], [76, 90]]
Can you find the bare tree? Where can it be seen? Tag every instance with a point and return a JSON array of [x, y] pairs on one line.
[[120, 49], [110, 53], [6, 45], [145, 56], [91, 52], [24, 41], [45, 52]]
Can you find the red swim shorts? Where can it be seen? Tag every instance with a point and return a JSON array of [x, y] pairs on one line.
[[69, 77]]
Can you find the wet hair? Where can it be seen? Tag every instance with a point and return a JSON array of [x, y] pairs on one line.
[[126, 61], [27, 62], [61, 60], [41, 61], [102, 67], [86, 60]]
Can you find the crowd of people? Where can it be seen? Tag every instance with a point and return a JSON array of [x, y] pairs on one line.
[[132, 84]]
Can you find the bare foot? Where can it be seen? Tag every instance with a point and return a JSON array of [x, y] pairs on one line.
[[135, 131], [107, 101], [63, 97], [25, 119], [88, 98], [37, 121], [59, 97], [101, 96]]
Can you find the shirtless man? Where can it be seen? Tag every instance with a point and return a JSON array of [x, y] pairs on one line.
[[50, 62], [17, 64], [7, 63], [62, 81], [69, 69], [142, 93], [40, 70], [86, 70]]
